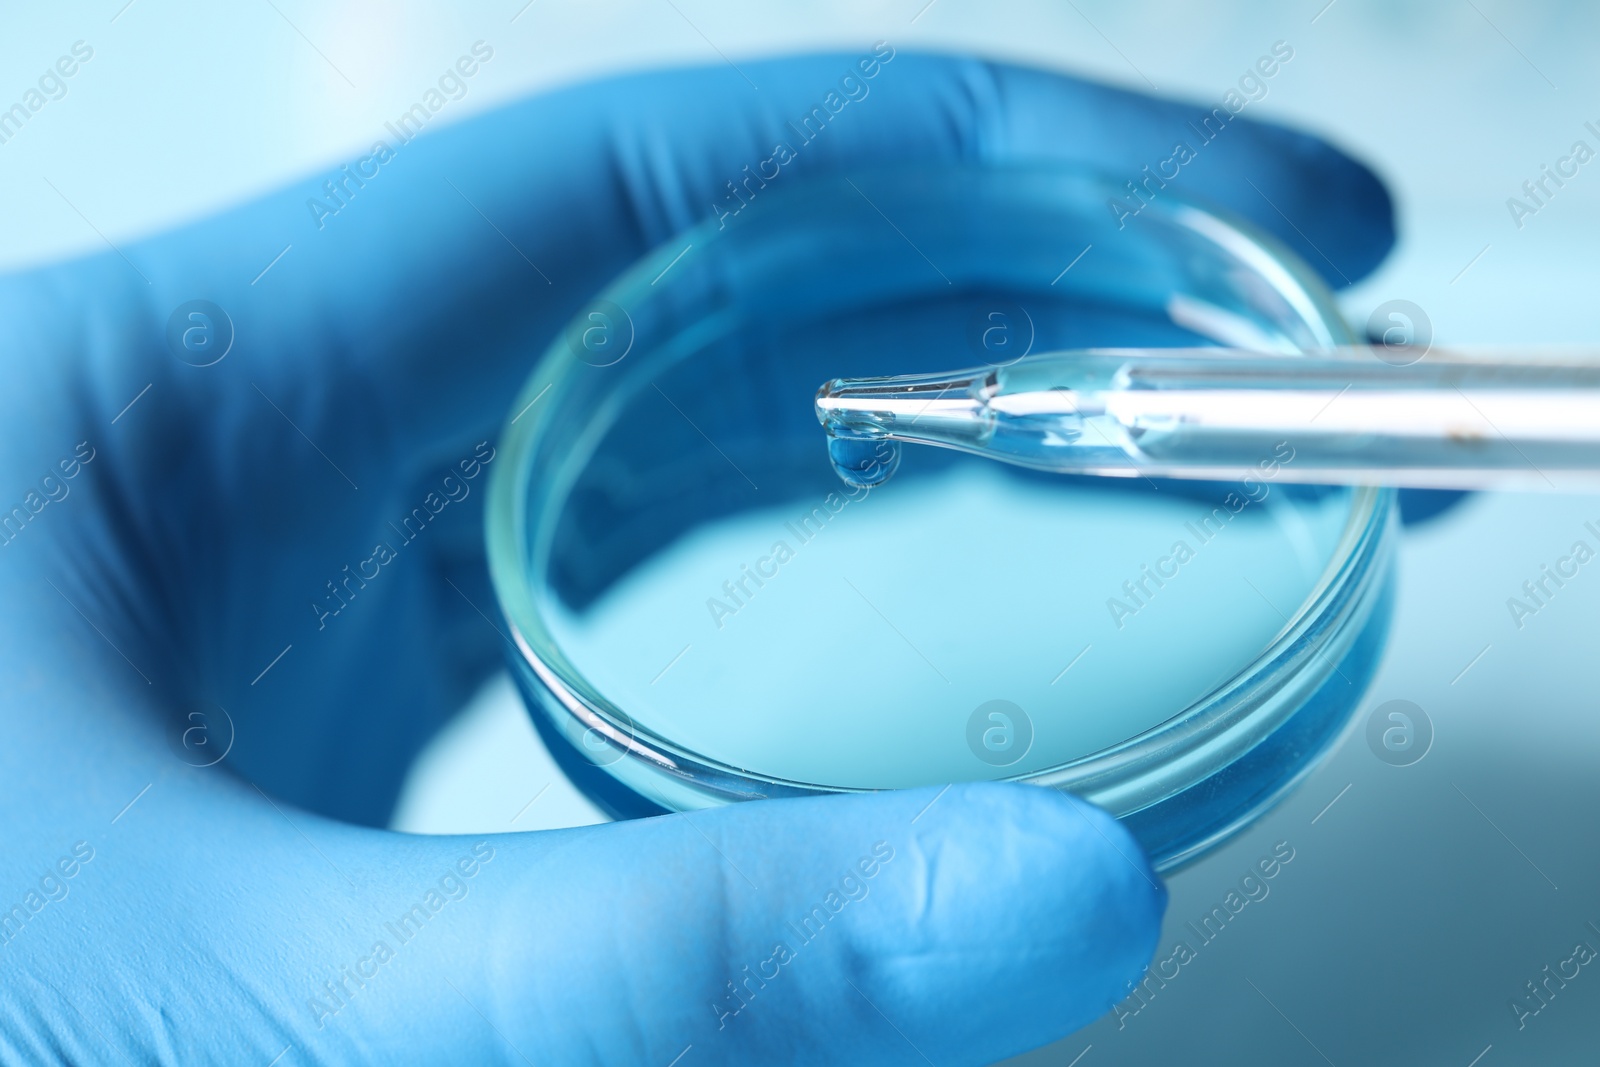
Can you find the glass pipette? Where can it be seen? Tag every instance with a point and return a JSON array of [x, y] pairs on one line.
[[1454, 419]]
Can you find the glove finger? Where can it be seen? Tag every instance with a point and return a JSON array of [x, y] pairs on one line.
[[962, 925]]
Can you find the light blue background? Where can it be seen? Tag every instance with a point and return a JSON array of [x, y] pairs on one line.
[[1425, 897]]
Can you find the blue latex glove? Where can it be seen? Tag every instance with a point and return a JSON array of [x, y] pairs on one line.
[[165, 554]]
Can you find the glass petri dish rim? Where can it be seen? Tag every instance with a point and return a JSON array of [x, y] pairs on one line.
[[1189, 746]]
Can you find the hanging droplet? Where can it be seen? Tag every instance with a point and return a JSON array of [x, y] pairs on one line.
[[860, 461]]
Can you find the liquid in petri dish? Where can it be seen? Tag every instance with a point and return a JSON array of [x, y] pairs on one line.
[[855, 639]]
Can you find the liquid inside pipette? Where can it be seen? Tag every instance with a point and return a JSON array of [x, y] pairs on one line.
[[1454, 420]]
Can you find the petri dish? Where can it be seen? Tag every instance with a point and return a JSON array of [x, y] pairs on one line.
[[702, 612]]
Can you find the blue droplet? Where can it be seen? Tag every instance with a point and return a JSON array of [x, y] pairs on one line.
[[863, 462]]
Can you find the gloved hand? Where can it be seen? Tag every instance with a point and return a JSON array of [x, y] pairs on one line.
[[167, 527]]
